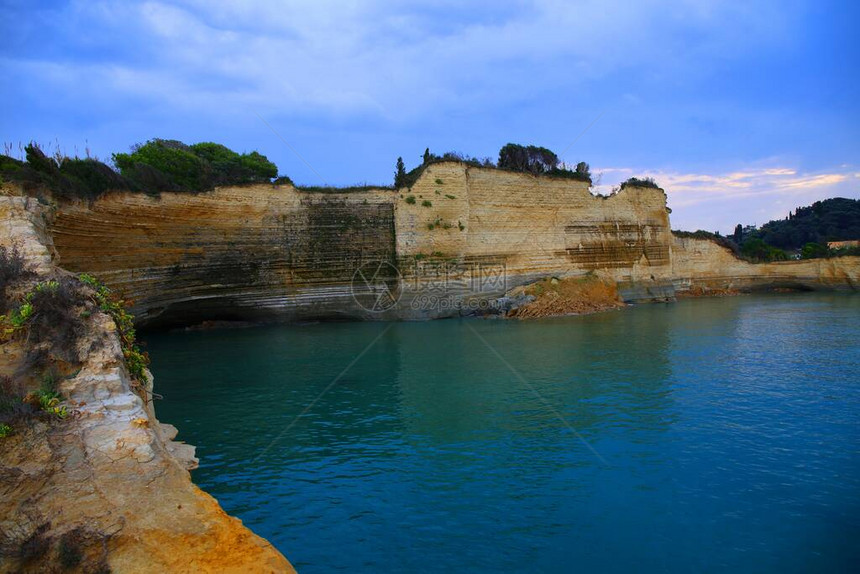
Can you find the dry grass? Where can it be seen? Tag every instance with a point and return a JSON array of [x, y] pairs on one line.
[[574, 296]]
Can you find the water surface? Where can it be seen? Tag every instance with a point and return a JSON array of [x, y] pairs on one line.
[[727, 434]]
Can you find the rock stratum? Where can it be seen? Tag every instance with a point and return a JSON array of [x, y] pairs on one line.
[[459, 238], [106, 488]]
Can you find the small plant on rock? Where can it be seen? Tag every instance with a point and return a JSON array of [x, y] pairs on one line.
[[135, 360]]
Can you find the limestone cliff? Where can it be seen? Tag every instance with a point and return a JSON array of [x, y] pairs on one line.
[[701, 265], [105, 488], [458, 238]]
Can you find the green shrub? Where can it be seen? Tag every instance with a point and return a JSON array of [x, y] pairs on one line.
[[91, 178], [49, 402], [530, 159], [5, 430], [814, 251], [427, 203], [757, 250], [135, 360], [170, 165], [410, 199], [231, 168], [49, 313], [37, 159], [183, 168], [643, 182]]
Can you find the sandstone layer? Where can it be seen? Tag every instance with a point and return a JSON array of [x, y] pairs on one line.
[[458, 238], [106, 488]]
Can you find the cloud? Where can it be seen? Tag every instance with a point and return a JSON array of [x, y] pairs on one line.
[[718, 201], [388, 59]]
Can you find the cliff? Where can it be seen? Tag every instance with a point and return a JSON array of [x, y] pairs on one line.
[[453, 243], [105, 488], [701, 265], [458, 238]]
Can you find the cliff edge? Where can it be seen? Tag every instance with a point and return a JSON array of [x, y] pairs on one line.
[[102, 486]]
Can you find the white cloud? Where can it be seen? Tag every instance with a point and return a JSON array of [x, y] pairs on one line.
[[718, 201], [385, 58]]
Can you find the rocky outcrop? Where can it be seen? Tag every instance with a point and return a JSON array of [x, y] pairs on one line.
[[106, 488], [702, 266]]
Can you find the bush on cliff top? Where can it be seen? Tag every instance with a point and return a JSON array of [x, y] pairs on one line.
[[640, 182], [155, 166], [197, 167]]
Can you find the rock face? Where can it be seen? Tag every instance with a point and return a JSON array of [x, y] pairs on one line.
[[455, 241], [106, 488], [458, 238], [702, 265]]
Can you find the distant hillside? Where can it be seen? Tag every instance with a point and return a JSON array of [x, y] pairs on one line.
[[836, 219]]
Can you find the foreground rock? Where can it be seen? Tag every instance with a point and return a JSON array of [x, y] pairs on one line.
[[105, 488]]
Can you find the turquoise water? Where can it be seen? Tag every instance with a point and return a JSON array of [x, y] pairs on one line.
[[726, 436]]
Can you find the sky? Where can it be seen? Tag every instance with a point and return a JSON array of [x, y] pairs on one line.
[[741, 111]]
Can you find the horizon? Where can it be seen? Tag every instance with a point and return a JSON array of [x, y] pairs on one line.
[[731, 109]]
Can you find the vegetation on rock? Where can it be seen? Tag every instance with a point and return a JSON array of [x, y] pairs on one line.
[[135, 360], [195, 167], [400, 174], [155, 166], [640, 182], [48, 320]]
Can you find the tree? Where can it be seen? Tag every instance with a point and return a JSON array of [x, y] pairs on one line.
[[738, 235], [758, 250], [583, 171], [427, 156], [400, 174], [814, 250], [529, 159]]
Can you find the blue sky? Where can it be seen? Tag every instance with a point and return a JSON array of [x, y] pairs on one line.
[[740, 110]]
